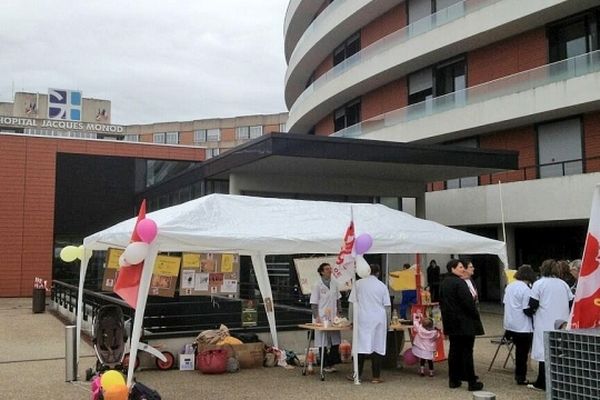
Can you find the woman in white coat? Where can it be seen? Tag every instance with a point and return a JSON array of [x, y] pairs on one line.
[[325, 303], [372, 298], [550, 301]]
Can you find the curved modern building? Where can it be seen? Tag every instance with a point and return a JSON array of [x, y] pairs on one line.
[[493, 74]]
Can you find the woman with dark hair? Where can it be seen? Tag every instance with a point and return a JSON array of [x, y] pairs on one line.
[[461, 323], [517, 325], [549, 301]]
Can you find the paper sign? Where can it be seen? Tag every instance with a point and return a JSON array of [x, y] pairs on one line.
[[227, 263], [208, 263], [187, 279], [166, 265], [229, 286], [112, 258], [190, 260], [201, 281], [215, 279]]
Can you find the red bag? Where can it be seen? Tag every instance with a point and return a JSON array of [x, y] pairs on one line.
[[212, 361]]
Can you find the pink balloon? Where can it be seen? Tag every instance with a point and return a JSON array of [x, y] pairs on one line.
[[147, 230], [409, 357], [363, 243]]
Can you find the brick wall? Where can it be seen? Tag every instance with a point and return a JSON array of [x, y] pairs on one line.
[[385, 98], [393, 20], [325, 126], [27, 178], [591, 140], [519, 53]]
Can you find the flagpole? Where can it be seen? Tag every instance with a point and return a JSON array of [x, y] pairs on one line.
[[502, 212]]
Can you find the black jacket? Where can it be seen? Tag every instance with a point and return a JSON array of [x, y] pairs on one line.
[[459, 311]]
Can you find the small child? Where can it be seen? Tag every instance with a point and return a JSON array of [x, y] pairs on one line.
[[424, 342]]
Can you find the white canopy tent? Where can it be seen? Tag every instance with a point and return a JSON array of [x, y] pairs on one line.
[[256, 227]]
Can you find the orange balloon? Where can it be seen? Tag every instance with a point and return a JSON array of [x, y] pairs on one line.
[[116, 392]]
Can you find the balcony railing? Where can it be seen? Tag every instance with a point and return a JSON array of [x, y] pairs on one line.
[[541, 76], [531, 172], [424, 25]]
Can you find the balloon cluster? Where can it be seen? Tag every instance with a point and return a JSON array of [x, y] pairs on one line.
[[114, 386], [362, 244], [136, 252], [71, 253]]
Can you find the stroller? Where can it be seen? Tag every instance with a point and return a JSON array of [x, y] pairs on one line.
[[109, 338]]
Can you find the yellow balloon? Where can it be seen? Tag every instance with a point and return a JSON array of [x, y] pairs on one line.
[[111, 378], [81, 252], [116, 392], [69, 253]]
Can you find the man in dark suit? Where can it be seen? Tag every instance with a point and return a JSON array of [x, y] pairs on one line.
[[461, 323]]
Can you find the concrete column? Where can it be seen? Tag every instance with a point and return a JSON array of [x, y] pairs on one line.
[[234, 187], [420, 209]]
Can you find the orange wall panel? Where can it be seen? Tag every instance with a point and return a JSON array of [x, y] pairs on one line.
[[591, 140], [393, 20], [384, 99]]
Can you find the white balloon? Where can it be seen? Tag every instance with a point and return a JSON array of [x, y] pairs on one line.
[[362, 267], [135, 252], [122, 262]]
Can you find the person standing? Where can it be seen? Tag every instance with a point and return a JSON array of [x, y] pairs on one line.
[[325, 303], [433, 280], [517, 325], [549, 301], [372, 299], [461, 323]]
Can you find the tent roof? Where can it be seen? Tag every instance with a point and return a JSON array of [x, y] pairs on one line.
[[250, 225]]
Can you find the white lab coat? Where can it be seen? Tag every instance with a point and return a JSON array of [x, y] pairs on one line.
[[371, 296], [554, 296], [516, 299], [326, 298]]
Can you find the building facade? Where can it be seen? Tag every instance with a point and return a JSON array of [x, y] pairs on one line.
[[491, 74]]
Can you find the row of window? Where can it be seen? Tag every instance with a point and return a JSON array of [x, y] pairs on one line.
[[166, 137], [568, 38], [209, 135], [59, 133]]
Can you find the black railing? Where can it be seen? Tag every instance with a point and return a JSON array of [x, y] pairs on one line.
[[180, 316]]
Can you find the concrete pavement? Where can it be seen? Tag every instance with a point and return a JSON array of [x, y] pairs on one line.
[[32, 367]]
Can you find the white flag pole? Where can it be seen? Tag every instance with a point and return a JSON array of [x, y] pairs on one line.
[[502, 212]]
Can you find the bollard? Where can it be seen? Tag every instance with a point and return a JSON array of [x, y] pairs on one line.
[[481, 395], [70, 353]]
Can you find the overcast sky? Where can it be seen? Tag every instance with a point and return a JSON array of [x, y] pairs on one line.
[[155, 60]]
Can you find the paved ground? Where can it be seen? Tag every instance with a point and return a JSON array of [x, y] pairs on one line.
[[32, 367]]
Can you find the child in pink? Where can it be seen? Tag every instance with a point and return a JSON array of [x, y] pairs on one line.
[[424, 342]]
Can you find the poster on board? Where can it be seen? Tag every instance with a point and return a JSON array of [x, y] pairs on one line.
[[164, 276], [210, 274], [112, 269]]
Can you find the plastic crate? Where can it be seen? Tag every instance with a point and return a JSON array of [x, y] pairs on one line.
[[572, 364]]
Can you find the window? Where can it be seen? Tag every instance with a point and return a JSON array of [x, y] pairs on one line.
[[256, 131], [573, 37], [242, 132], [172, 137], [418, 9], [158, 137], [207, 135], [282, 127], [132, 138], [210, 153], [347, 115], [560, 148], [470, 181], [443, 78], [349, 47]]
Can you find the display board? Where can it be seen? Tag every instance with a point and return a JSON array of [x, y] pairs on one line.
[[209, 274], [111, 269], [306, 268]]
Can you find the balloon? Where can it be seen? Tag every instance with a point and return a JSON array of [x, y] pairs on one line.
[[122, 262], [81, 250], [116, 392], [135, 252], [69, 253], [363, 243], [409, 358], [362, 267], [112, 378], [146, 230]]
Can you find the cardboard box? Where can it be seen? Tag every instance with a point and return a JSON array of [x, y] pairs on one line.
[[250, 355], [186, 362]]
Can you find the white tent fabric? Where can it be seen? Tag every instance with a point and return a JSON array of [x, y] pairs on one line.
[[258, 226]]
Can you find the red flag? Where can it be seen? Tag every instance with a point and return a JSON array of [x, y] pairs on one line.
[[586, 306], [347, 245], [128, 280]]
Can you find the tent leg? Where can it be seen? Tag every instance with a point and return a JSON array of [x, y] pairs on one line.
[[262, 276]]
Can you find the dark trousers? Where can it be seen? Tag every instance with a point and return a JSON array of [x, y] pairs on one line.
[[376, 361], [332, 356], [522, 341], [540, 382], [429, 363], [460, 359]]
